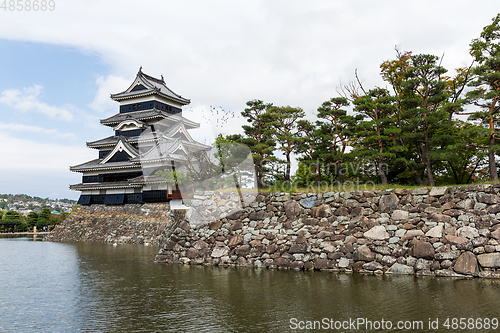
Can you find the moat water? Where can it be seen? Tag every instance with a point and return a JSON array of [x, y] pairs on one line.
[[94, 287]]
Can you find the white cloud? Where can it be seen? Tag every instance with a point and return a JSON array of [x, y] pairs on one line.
[[27, 101], [11, 127], [226, 52], [213, 121], [110, 84], [35, 157]]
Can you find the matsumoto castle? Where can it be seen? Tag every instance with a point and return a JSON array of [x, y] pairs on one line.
[[150, 135]]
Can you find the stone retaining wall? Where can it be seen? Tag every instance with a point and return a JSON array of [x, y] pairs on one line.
[[130, 223], [451, 231]]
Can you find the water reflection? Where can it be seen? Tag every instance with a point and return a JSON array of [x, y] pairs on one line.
[[98, 287], [38, 283]]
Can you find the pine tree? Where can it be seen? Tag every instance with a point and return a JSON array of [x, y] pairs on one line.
[[423, 115], [284, 120], [31, 219], [335, 130], [43, 218], [486, 84], [259, 138], [467, 163], [308, 145], [393, 72], [375, 134]]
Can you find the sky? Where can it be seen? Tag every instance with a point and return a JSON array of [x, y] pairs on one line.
[[58, 68]]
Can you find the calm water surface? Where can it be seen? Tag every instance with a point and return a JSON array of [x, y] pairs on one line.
[[57, 287]]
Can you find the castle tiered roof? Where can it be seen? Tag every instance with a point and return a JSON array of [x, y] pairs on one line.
[[150, 135], [145, 85], [148, 115]]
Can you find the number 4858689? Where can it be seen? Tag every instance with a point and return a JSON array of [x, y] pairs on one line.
[[28, 5], [471, 323]]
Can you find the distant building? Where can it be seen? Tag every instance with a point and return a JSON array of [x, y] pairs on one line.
[[150, 134]]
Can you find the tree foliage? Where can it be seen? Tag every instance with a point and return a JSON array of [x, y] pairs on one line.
[[407, 133]]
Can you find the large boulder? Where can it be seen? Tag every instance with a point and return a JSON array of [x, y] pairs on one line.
[[320, 263], [435, 232], [399, 215], [468, 232], [423, 250], [281, 262], [309, 202], [488, 198], [493, 209], [220, 251], [259, 215], [243, 250], [496, 234], [440, 218], [236, 226], [321, 211], [491, 260], [292, 209], [420, 191], [466, 264], [388, 203], [447, 255], [455, 240], [372, 266], [192, 253], [271, 248], [344, 262], [214, 225], [296, 265], [363, 253], [342, 211], [422, 264], [235, 241], [200, 245], [400, 269], [310, 221], [299, 248], [437, 191], [466, 204], [377, 233]]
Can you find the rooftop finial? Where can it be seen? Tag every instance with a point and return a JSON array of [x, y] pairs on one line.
[[140, 69], [162, 78]]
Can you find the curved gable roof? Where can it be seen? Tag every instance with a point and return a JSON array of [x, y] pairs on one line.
[[130, 121], [144, 85], [121, 145]]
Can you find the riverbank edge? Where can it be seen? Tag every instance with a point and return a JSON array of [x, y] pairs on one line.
[[120, 224], [440, 231], [26, 233]]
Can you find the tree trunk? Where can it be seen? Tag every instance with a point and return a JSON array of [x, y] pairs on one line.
[[259, 174], [288, 167], [340, 175], [318, 179], [383, 177], [417, 178], [428, 166], [491, 152], [315, 175], [491, 160]]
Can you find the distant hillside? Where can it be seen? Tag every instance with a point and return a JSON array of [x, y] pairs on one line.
[[26, 203]]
